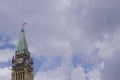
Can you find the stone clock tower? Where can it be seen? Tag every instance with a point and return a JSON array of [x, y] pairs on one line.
[[22, 63]]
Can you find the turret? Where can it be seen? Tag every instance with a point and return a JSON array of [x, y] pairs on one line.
[[13, 59], [32, 61]]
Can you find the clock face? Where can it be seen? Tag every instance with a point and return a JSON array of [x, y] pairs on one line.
[[27, 61], [20, 60]]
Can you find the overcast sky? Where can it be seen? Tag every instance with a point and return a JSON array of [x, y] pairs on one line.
[[68, 39]]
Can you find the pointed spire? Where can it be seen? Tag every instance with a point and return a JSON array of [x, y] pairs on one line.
[[22, 45]]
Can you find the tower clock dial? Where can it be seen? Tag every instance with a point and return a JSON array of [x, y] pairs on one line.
[[27, 61], [20, 60]]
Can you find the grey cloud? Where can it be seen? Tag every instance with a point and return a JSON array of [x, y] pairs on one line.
[[62, 27], [111, 70], [101, 16]]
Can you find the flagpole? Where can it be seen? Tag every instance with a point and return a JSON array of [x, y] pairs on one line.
[[23, 24]]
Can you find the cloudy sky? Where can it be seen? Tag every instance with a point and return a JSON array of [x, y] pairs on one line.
[[68, 39]]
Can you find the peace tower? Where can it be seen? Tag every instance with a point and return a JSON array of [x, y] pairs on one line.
[[22, 63]]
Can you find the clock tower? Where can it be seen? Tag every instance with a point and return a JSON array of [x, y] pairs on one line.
[[22, 63]]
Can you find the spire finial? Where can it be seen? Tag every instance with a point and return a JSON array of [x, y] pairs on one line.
[[23, 24]]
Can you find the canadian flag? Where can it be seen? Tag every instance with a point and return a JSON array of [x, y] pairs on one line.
[[24, 23]]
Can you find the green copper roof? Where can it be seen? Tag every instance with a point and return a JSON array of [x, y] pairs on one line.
[[22, 45]]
